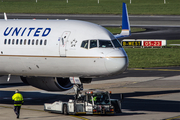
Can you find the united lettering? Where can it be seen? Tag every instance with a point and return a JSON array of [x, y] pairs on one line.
[[19, 31]]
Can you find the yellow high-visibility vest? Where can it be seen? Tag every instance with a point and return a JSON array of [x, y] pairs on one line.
[[18, 99]]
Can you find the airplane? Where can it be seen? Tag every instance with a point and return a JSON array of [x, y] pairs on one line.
[[48, 54]]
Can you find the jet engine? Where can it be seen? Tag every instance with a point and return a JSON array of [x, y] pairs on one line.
[[52, 83], [48, 83]]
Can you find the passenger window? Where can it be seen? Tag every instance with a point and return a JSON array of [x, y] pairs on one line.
[[25, 42], [21, 42], [9, 42], [17, 42], [13, 41], [45, 42], [29, 41], [5, 41], [105, 43], [85, 44], [93, 43], [32, 42], [40, 42], [36, 42], [116, 43]]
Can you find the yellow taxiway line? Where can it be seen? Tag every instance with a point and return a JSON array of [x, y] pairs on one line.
[[79, 117], [173, 118]]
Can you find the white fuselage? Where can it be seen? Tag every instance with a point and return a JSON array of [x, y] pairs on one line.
[[53, 48]]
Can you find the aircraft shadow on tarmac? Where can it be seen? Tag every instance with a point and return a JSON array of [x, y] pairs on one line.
[[135, 104], [132, 104], [142, 73], [9, 85], [33, 98], [127, 73]]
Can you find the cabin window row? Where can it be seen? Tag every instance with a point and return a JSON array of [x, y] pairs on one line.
[[24, 42], [101, 44]]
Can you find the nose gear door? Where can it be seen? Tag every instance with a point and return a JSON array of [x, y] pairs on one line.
[[63, 42]]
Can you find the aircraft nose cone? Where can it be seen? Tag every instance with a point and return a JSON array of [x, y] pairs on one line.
[[116, 63]]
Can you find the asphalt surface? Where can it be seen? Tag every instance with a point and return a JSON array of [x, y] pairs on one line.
[[149, 94], [157, 27]]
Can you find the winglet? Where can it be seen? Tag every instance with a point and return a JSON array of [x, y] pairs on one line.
[[5, 16], [126, 31]]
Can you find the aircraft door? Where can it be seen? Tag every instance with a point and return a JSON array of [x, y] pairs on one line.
[[63, 42]]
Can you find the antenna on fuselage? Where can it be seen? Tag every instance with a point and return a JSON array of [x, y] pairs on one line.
[[5, 16]]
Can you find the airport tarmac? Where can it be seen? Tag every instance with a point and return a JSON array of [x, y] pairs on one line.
[[149, 94]]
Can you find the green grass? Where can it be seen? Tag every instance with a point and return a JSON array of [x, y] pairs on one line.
[[169, 42], [173, 42], [150, 7], [153, 57]]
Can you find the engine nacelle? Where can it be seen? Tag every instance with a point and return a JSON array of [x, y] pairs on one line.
[[48, 83]]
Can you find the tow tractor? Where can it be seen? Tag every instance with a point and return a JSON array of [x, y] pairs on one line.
[[96, 102]]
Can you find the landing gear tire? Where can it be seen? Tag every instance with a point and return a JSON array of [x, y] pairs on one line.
[[65, 110]]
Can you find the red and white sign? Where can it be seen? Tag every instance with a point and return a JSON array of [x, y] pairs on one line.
[[152, 43]]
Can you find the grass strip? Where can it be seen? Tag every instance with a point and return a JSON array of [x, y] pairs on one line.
[[153, 57], [150, 7]]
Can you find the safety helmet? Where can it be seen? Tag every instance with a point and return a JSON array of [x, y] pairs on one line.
[[17, 91]]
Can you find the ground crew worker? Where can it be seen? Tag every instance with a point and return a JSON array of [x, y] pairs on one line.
[[95, 98], [18, 101]]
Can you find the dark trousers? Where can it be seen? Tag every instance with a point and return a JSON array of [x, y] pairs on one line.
[[17, 110]]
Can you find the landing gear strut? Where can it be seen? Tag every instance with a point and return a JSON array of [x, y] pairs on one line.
[[78, 86], [77, 89]]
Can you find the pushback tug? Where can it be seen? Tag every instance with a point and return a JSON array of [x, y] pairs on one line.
[[97, 102]]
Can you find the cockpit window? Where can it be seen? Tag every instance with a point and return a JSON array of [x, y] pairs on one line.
[[105, 43], [85, 44], [116, 43], [93, 43]]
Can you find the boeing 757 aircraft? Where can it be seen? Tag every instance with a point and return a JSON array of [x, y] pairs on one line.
[[48, 53]]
